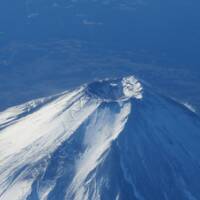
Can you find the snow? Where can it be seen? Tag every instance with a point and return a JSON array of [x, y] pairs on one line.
[[132, 87], [97, 143], [18, 191], [37, 135]]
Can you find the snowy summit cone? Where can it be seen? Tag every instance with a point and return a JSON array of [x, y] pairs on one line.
[[112, 139], [116, 89]]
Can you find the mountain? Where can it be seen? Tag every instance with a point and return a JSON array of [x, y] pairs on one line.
[[112, 139]]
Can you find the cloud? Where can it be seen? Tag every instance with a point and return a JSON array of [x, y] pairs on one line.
[[33, 15], [189, 106], [91, 23]]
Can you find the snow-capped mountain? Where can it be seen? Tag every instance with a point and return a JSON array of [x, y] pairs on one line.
[[109, 139]]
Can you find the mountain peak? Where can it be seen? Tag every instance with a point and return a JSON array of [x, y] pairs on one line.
[[116, 89]]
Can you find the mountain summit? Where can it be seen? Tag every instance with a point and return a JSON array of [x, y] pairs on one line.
[[106, 140], [115, 89]]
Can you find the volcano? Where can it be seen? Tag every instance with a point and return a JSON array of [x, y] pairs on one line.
[[112, 139]]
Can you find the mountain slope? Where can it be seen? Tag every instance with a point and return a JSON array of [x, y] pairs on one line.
[[110, 139]]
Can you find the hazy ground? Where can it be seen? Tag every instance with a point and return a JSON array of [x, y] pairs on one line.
[[50, 46]]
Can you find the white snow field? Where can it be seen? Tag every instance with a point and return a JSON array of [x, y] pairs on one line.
[[106, 140]]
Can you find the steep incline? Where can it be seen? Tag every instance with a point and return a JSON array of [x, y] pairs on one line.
[[110, 139]]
